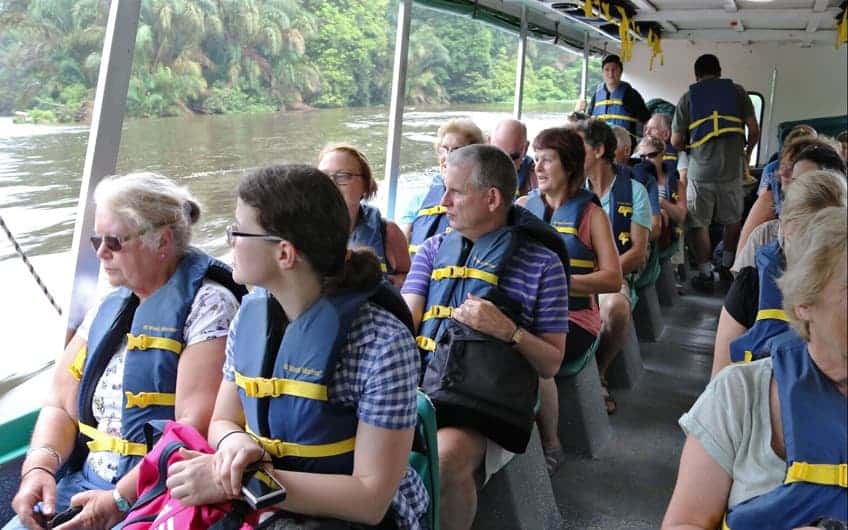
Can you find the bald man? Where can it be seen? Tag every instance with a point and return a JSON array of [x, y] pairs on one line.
[[511, 137]]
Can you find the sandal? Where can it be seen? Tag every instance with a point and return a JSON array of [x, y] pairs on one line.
[[553, 459], [609, 402]]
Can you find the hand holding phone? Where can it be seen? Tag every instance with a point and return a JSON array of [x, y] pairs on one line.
[[63, 517], [261, 489]]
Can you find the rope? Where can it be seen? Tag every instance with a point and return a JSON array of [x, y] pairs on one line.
[[35, 275]]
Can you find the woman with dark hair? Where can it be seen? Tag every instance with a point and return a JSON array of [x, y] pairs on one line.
[[320, 379], [349, 169], [576, 213]]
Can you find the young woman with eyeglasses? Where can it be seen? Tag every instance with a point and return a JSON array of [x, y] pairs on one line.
[[321, 373], [151, 350], [349, 169]]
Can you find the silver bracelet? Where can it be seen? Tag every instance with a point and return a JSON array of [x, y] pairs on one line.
[[50, 450]]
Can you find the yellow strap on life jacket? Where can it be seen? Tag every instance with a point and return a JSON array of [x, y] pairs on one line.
[[609, 102], [624, 237], [566, 230], [625, 210], [437, 311], [724, 523], [262, 387], [582, 263], [453, 271], [434, 210], [823, 474], [425, 343], [669, 156], [100, 441], [281, 449], [383, 268], [413, 249], [772, 314], [749, 356], [79, 363], [145, 342], [148, 399], [714, 117], [606, 117]]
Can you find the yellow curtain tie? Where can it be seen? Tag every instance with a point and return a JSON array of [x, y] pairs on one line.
[[434, 210], [624, 237], [606, 117], [609, 102], [261, 387], [147, 399], [587, 9], [464, 273], [281, 449], [654, 41], [842, 30], [772, 314], [605, 10], [425, 343], [566, 230], [582, 263], [823, 474], [78, 365], [437, 311], [146, 342], [100, 441]]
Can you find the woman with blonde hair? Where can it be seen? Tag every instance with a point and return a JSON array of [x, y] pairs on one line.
[[766, 440], [152, 350], [349, 169]]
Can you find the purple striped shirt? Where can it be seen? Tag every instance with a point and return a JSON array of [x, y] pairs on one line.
[[534, 277]]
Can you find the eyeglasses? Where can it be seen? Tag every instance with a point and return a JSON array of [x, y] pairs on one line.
[[232, 234], [343, 177], [650, 155], [446, 149], [113, 243]]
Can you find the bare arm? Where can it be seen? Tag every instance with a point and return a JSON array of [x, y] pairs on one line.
[[700, 495], [677, 211], [656, 226], [728, 329], [397, 253], [761, 211], [638, 253], [416, 304], [753, 135], [678, 141], [608, 277]]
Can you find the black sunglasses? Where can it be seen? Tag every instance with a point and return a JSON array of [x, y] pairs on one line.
[[113, 243], [232, 234], [650, 155]]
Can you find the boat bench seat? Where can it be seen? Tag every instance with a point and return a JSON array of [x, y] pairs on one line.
[[667, 285], [626, 369], [647, 316], [10, 479]]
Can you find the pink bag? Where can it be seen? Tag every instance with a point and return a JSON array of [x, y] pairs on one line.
[[156, 510]]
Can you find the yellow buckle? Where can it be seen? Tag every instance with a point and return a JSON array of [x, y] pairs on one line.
[[137, 342]]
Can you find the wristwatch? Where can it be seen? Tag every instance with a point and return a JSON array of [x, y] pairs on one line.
[[122, 504], [517, 335]]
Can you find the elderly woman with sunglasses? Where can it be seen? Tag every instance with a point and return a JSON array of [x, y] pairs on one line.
[[670, 188], [151, 350], [766, 442], [349, 169]]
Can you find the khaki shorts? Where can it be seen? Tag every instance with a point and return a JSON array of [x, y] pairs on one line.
[[710, 202]]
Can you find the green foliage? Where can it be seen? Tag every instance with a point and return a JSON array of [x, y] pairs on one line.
[[228, 56]]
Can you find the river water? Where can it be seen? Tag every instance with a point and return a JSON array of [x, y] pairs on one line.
[[40, 169]]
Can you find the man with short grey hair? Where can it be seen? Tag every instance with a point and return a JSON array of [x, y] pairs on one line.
[[449, 290]]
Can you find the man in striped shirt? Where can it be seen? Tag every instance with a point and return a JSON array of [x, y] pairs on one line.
[[480, 184]]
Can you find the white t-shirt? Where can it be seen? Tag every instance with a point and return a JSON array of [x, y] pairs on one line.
[[211, 312], [732, 421]]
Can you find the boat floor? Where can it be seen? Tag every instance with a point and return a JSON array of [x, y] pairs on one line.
[[630, 485]]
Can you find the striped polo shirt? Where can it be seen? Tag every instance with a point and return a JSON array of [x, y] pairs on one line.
[[534, 276]]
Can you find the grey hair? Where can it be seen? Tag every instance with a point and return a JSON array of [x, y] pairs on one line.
[[810, 192], [490, 168], [664, 119], [147, 201], [622, 137], [811, 260], [652, 141]]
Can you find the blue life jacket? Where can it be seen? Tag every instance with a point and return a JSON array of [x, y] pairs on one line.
[[771, 320], [566, 221], [646, 173], [154, 333], [670, 154], [714, 111], [776, 195], [813, 414], [609, 106], [523, 187], [283, 371], [370, 232], [431, 218], [620, 207]]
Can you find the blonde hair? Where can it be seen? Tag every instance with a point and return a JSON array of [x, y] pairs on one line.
[[147, 201], [362, 160], [463, 126], [811, 261], [811, 192]]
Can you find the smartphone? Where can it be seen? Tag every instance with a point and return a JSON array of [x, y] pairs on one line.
[[261, 489], [64, 517]]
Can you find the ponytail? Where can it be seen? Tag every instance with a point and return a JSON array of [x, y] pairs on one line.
[[360, 272]]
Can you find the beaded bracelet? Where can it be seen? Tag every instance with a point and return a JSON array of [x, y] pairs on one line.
[[33, 468]]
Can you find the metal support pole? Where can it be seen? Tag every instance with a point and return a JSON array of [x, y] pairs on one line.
[[519, 67], [397, 102], [764, 135], [104, 140], [584, 71]]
